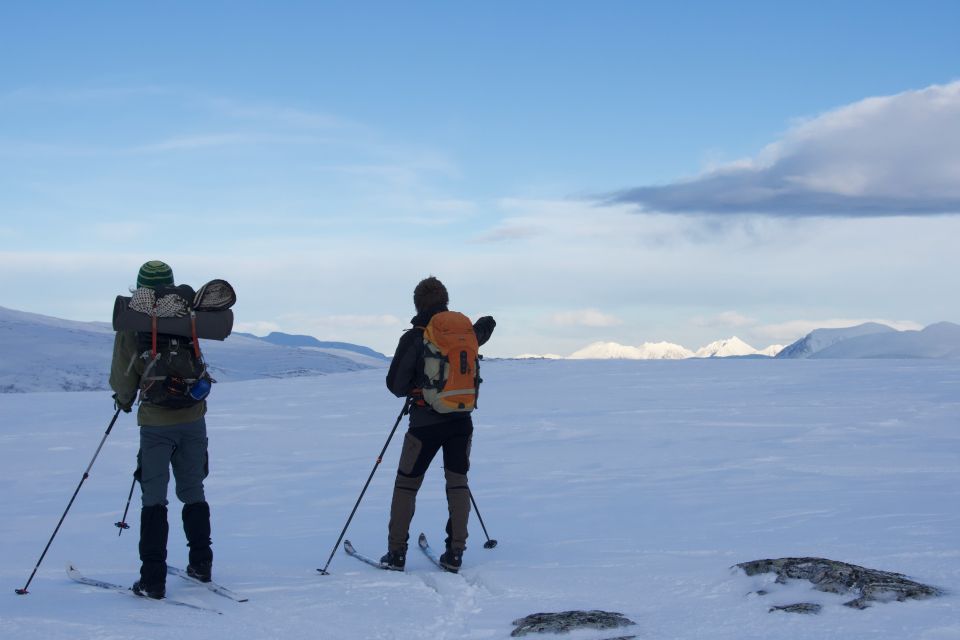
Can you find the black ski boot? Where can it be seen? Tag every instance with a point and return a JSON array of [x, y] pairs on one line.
[[394, 560], [156, 590], [153, 552], [451, 559], [196, 527], [201, 571]]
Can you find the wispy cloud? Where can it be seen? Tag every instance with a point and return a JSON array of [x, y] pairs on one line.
[[173, 144], [188, 142], [895, 155], [276, 114], [507, 233], [61, 95]]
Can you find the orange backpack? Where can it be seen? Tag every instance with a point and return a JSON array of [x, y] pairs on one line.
[[451, 363]]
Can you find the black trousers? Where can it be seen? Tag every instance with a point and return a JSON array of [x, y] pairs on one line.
[[420, 447]]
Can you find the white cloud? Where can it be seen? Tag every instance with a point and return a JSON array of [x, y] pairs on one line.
[[585, 318], [882, 156], [730, 319]]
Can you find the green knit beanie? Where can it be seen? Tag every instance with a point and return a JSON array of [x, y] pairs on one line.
[[154, 274]]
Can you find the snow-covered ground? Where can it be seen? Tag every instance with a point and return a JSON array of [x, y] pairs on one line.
[[619, 485]]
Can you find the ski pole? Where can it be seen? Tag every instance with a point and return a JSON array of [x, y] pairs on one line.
[[123, 521], [406, 408], [489, 544], [86, 474]]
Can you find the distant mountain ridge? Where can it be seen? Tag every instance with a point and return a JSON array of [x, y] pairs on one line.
[[871, 340], [867, 340], [300, 340], [42, 353], [820, 339]]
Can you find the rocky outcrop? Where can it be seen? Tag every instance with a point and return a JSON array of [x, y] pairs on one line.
[[800, 607], [831, 576], [565, 621]]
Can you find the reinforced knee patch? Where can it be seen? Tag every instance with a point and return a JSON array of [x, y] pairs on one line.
[[458, 504], [401, 510]]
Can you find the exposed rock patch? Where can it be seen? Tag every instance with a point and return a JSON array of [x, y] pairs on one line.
[[831, 576], [800, 607], [565, 621]]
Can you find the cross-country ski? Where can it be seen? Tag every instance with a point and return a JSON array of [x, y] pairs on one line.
[[218, 589], [353, 553], [431, 554], [76, 576]]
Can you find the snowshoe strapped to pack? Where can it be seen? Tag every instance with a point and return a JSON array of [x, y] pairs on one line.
[[175, 375]]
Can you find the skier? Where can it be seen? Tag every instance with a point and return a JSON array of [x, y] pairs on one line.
[[429, 432], [174, 436]]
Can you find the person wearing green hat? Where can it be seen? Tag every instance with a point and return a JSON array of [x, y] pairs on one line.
[[170, 436], [154, 274]]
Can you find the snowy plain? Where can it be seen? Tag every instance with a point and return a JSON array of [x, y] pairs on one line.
[[619, 485]]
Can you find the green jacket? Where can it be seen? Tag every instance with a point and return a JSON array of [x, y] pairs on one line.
[[125, 372]]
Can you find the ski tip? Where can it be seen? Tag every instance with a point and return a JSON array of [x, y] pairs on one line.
[[422, 540]]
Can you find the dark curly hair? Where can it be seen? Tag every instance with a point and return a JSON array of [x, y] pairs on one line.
[[430, 294]]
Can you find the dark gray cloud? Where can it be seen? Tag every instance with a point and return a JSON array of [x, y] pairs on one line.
[[889, 156]]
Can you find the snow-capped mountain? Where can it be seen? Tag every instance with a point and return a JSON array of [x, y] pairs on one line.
[[41, 353], [820, 339], [725, 348], [771, 351], [730, 347], [300, 340], [646, 351]]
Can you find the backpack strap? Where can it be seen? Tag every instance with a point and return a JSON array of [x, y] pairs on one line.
[[153, 332], [193, 331]]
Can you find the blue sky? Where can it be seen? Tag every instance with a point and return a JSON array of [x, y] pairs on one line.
[[582, 171]]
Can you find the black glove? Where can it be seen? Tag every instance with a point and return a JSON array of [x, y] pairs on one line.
[[126, 407], [486, 323], [483, 327]]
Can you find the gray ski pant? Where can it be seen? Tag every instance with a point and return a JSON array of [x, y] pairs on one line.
[[181, 446], [420, 445]]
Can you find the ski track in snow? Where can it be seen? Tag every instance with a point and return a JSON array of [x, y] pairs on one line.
[[624, 486]]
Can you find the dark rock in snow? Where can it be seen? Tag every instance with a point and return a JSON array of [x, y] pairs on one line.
[[800, 607], [832, 576], [568, 620]]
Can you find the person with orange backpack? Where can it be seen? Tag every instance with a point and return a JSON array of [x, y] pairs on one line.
[[436, 366]]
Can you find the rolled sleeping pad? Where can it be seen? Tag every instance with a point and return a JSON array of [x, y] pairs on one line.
[[211, 325]]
